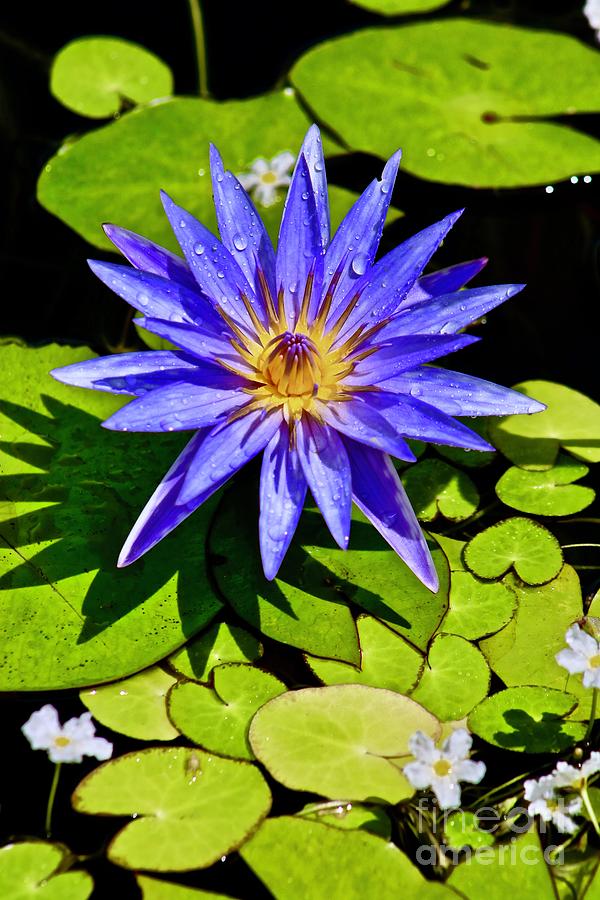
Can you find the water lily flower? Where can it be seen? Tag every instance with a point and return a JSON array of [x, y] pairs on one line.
[[544, 802], [67, 743], [266, 176], [583, 656], [576, 777], [314, 353], [443, 769]]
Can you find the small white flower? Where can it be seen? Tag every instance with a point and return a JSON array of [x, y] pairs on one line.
[[543, 802], [583, 656], [443, 769], [566, 776], [266, 176], [65, 743], [591, 11]]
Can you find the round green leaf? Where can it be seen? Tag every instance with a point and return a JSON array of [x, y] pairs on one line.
[[547, 493], [337, 741], [36, 869], [135, 706], [297, 858], [350, 816], [218, 718], [399, 7], [521, 543], [455, 678], [434, 487], [157, 889], [221, 643], [462, 830], [70, 493], [386, 660], [466, 100], [95, 76], [571, 421], [478, 608], [524, 652], [189, 808], [527, 719]]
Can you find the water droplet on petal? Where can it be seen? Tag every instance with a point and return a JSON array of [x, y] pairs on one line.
[[240, 242], [143, 299], [305, 195], [318, 167], [198, 249], [359, 263]]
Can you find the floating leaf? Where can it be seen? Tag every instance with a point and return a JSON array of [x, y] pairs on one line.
[[71, 492], [478, 608], [455, 678], [547, 493], [295, 608], [221, 643], [96, 76], [521, 543], [462, 830], [297, 858], [190, 808], [218, 718], [386, 660], [156, 889], [350, 817], [135, 706], [336, 740], [434, 487], [528, 719], [524, 652], [36, 869], [469, 110], [517, 868], [399, 7], [572, 421]]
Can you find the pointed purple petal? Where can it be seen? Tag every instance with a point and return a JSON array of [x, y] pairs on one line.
[[240, 226], [98, 373], [449, 313], [227, 448], [312, 151], [282, 493], [415, 419], [146, 255], [325, 464], [379, 494], [461, 395], [444, 281], [359, 234], [176, 407], [161, 513], [357, 420], [384, 286], [299, 247], [203, 344], [402, 353], [214, 268]]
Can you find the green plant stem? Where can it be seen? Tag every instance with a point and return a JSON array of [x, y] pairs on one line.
[[592, 717], [590, 810], [200, 45], [568, 546], [51, 796]]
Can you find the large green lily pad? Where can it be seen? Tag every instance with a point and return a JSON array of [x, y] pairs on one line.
[[386, 660], [35, 869], [399, 7], [547, 493], [70, 492], [435, 488], [528, 719], [189, 808], [455, 678], [467, 101], [517, 543], [571, 421], [221, 643], [157, 889], [217, 718], [95, 76], [337, 741], [298, 858], [350, 817], [134, 706]]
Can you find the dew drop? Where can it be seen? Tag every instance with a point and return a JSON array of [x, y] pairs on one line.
[[318, 167], [359, 263], [143, 299], [305, 195], [239, 242], [220, 274]]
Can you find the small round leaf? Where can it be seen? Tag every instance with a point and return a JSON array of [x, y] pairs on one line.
[[36, 870], [435, 488], [521, 543], [455, 678], [547, 493], [135, 706]]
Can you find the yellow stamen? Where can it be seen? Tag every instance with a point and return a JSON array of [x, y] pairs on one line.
[[442, 767], [62, 741]]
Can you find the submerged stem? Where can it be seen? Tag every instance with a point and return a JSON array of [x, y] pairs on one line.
[[592, 718], [200, 45], [590, 810], [51, 797]]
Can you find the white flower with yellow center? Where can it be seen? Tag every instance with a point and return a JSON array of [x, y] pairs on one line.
[[67, 743], [266, 176], [582, 657], [544, 802], [441, 769]]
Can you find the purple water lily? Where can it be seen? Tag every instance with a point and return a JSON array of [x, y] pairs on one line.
[[313, 353]]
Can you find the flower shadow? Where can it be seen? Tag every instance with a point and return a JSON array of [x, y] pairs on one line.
[[548, 734]]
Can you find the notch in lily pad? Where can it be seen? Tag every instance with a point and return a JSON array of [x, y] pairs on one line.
[[436, 488], [517, 543]]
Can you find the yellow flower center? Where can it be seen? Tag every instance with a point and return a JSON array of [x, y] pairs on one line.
[[594, 661], [292, 365], [62, 741], [268, 178], [442, 767]]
